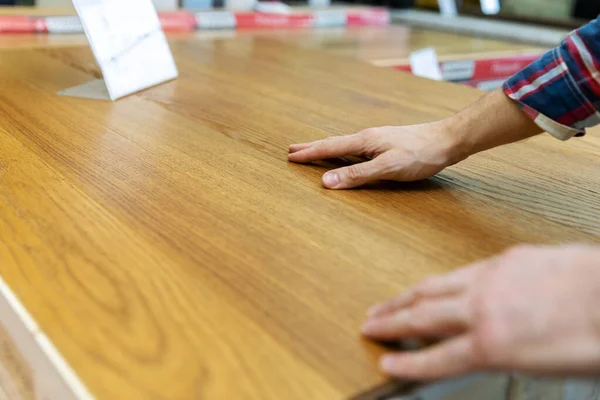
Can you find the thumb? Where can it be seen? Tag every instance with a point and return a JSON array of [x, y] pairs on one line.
[[354, 175]]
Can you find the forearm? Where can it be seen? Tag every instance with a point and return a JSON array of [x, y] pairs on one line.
[[559, 94], [494, 120]]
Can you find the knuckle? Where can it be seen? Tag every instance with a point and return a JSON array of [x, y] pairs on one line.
[[428, 284], [413, 323], [489, 346], [420, 316], [424, 288], [420, 290], [493, 339], [367, 139], [353, 173], [325, 142], [369, 133], [318, 145]]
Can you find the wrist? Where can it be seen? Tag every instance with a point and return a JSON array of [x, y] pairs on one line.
[[454, 144], [494, 120]]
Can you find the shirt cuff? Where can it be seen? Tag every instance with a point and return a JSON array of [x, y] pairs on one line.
[[556, 129]]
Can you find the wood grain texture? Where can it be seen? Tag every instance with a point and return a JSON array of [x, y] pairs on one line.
[[36, 11], [170, 251]]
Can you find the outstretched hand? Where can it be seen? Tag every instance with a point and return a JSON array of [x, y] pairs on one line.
[[415, 152], [399, 153]]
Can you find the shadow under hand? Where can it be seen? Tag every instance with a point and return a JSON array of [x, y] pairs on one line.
[[389, 186]]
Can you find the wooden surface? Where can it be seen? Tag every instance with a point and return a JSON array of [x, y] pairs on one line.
[[10, 10], [373, 44], [396, 42], [169, 250]]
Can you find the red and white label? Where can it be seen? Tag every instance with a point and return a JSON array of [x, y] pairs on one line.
[[187, 21], [481, 70], [368, 17], [178, 21], [404, 68], [18, 24], [458, 70], [68, 24], [487, 69], [258, 20]]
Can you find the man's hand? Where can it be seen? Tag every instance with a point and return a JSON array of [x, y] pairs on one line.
[[530, 309], [410, 153], [397, 153]]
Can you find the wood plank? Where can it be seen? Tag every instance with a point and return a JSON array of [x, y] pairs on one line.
[[168, 249], [36, 11], [396, 42]]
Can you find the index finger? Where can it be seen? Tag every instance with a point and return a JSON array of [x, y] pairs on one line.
[[435, 286], [338, 146]]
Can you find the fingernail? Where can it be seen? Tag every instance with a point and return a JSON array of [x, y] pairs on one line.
[[331, 179], [387, 363]]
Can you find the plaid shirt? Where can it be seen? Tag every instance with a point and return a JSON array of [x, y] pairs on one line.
[[561, 91]]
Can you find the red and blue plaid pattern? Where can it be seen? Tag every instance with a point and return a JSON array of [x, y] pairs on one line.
[[561, 91]]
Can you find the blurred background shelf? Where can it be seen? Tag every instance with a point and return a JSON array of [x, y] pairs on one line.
[[566, 14]]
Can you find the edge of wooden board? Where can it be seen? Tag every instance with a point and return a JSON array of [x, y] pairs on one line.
[[393, 62], [31, 368]]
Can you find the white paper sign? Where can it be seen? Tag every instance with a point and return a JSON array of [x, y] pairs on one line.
[[216, 20], [490, 7], [447, 7], [64, 24], [128, 43], [319, 3], [425, 63], [327, 18], [273, 7]]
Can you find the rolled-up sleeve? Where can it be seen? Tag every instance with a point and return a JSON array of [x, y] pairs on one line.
[[561, 91]]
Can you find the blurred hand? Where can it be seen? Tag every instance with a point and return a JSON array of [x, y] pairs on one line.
[[400, 153], [530, 309]]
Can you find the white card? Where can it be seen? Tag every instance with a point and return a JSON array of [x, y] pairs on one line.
[[91, 90], [447, 7], [327, 18], [215, 20], [128, 43], [425, 63], [64, 24], [319, 3], [273, 7], [490, 7]]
